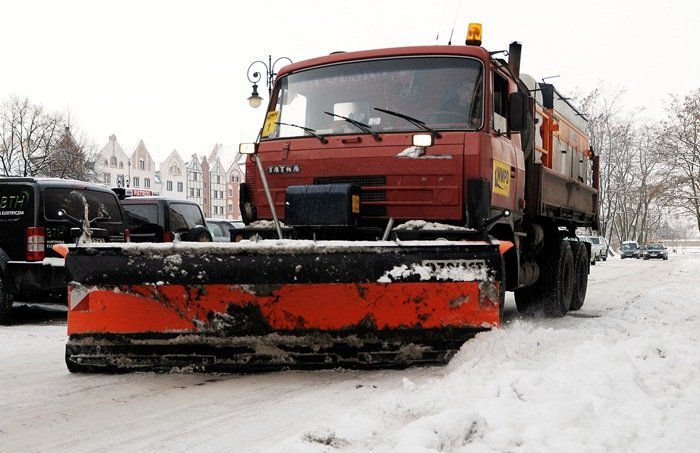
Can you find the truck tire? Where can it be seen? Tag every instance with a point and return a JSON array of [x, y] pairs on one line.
[[580, 275], [559, 287], [551, 294], [5, 303]]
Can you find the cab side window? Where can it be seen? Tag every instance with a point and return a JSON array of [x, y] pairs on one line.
[[499, 122]]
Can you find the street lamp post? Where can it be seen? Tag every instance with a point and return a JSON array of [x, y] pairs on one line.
[[255, 100]]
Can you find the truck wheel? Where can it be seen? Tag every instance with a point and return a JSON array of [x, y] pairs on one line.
[[580, 275], [5, 303], [551, 294], [558, 281]]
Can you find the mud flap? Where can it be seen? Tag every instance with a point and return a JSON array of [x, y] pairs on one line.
[[271, 305]]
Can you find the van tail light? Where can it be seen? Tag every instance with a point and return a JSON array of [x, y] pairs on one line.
[[36, 243], [168, 236], [127, 235]]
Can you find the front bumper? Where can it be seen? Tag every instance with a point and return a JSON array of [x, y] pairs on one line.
[[655, 255]]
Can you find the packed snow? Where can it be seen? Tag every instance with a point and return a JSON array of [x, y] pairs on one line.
[[622, 374]]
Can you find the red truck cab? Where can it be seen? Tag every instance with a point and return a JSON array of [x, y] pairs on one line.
[[352, 118]]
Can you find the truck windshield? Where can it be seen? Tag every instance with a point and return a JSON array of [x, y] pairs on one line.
[[441, 92]]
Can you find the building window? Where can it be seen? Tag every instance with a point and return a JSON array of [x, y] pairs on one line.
[[112, 161], [218, 179], [230, 207], [234, 178], [142, 164], [169, 186], [147, 182], [121, 164], [199, 193], [107, 178], [135, 180], [191, 192], [106, 163], [194, 176], [180, 187], [230, 192]]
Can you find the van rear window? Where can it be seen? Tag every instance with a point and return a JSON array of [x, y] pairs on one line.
[[80, 203]]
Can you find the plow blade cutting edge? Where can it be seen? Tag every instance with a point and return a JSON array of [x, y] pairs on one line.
[[269, 306]]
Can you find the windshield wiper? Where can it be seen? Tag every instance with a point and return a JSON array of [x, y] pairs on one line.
[[362, 126], [308, 130], [416, 122]]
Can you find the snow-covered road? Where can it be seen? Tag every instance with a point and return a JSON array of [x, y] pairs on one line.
[[623, 374]]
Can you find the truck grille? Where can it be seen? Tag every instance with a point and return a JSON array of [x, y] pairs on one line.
[[357, 180]]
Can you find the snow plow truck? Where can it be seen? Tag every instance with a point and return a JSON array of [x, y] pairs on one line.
[[392, 198]]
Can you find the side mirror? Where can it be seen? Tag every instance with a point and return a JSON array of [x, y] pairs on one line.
[[517, 108], [247, 148]]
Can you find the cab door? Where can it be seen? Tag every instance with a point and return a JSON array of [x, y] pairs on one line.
[[507, 159]]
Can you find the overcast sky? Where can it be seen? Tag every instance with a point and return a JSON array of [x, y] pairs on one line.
[[174, 73]]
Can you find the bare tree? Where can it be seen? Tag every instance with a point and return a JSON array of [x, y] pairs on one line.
[[74, 157], [653, 181], [28, 135], [36, 143], [681, 141], [634, 176], [611, 137]]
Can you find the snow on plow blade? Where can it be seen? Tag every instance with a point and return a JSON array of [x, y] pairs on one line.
[[270, 305]]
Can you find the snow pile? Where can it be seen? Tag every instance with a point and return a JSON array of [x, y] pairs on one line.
[[622, 374], [624, 379]]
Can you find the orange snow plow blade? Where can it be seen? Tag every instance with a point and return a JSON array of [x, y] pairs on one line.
[[269, 306]]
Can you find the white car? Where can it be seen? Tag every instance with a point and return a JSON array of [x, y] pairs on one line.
[[594, 251], [599, 247]]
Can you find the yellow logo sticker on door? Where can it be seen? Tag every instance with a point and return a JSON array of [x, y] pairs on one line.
[[501, 178], [270, 123]]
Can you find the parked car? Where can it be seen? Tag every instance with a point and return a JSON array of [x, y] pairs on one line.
[[656, 250], [162, 219], [593, 256], [642, 251], [602, 245], [599, 247], [220, 229], [629, 249], [39, 213]]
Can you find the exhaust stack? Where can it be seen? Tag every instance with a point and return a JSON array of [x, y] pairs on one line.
[[514, 52]]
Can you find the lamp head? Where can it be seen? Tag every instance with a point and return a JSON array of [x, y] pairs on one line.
[[255, 100]]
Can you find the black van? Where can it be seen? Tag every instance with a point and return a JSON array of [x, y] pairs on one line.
[[35, 215]]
